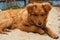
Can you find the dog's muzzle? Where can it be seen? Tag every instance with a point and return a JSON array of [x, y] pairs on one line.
[[39, 23]]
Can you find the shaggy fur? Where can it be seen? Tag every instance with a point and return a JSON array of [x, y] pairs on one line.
[[33, 18]]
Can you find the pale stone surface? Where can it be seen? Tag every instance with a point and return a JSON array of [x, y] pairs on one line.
[[53, 23]]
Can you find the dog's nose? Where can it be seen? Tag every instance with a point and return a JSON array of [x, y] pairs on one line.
[[39, 23]]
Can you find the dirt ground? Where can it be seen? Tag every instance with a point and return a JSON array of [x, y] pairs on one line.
[[53, 23]]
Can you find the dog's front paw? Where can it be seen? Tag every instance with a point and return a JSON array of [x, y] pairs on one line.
[[54, 36]]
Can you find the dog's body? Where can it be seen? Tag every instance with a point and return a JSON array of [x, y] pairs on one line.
[[5, 21], [30, 19]]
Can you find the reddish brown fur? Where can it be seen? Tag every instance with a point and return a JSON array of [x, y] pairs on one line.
[[32, 18]]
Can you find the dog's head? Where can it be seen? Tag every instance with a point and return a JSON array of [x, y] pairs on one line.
[[38, 13]]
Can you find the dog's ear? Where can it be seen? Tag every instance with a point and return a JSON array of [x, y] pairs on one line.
[[47, 6], [31, 8]]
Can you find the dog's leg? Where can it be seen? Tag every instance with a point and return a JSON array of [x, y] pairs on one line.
[[27, 28], [6, 30], [50, 33], [40, 31], [30, 28], [1, 31]]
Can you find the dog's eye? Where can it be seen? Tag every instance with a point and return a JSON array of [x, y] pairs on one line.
[[35, 15], [42, 14]]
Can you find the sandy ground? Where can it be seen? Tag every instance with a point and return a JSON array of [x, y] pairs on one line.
[[53, 23]]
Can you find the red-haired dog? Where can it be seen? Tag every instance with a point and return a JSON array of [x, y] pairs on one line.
[[33, 18]]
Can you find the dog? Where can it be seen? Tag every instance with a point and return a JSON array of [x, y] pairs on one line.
[[32, 18]]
